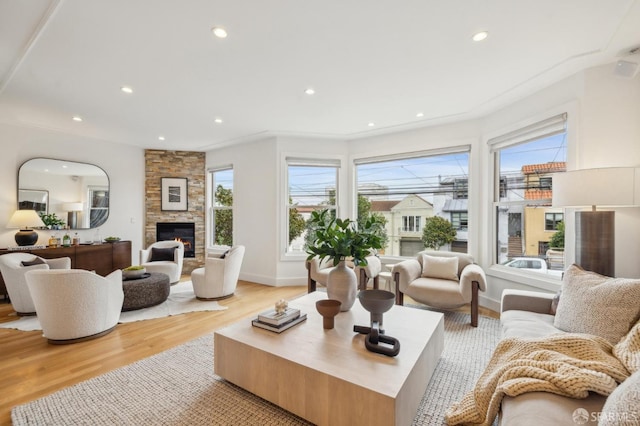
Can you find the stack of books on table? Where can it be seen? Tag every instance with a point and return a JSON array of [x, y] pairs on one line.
[[279, 322]]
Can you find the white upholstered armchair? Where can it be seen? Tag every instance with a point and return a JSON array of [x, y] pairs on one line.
[[14, 266], [165, 257], [75, 304], [444, 280], [219, 276]]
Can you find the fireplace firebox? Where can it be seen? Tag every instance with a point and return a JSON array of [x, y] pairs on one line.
[[179, 231]]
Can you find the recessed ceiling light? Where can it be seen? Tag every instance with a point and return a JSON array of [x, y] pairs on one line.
[[219, 32], [217, 120], [310, 91], [420, 114], [126, 89], [371, 124], [480, 36], [160, 138], [76, 118]]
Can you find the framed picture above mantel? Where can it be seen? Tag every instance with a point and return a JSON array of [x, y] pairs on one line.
[[174, 194]]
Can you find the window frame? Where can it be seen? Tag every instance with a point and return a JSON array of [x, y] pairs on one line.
[[458, 192], [304, 161], [212, 208], [560, 123]]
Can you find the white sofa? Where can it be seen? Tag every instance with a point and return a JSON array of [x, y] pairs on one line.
[[529, 314]]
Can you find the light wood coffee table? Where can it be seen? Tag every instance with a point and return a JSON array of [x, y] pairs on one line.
[[327, 376]]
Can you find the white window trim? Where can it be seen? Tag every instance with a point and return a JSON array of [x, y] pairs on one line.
[[210, 207], [301, 159], [488, 253]]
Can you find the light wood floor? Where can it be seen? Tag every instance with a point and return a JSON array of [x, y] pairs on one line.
[[31, 368]]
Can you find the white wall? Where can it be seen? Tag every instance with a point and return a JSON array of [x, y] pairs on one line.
[[124, 165], [254, 205]]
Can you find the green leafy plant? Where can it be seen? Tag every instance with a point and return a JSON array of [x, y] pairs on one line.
[[50, 220], [339, 239], [557, 239], [437, 232]]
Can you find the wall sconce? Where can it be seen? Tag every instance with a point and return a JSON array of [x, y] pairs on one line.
[[25, 220], [72, 215], [595, 230]]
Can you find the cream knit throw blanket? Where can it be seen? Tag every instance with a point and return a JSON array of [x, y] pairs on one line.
[[565, 364]]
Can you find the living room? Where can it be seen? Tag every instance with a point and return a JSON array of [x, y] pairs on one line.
[[603, 130]]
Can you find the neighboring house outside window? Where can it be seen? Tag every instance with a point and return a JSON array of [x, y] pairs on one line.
[[525, 161], [408, 190]]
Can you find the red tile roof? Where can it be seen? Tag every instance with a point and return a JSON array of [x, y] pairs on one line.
[[551, 167], [537, 194]]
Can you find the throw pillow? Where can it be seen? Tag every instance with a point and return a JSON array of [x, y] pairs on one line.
[[594, 304], [162, 254], [623, 405], [36, 261], [445, 268]]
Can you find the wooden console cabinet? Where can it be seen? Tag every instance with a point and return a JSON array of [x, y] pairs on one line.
[[102, 258]]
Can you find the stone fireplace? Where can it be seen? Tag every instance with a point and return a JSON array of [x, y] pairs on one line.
[[179, 231]]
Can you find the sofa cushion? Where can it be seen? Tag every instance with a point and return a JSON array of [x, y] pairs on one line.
[[623, 405], [526, 324], [595, 304], [542, 408], [162, 254], [445, 268]]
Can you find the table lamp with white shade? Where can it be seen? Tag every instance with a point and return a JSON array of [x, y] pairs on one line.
[[609, 187], [25, 220]]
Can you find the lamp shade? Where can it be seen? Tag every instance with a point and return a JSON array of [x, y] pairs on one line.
[[25, 219], [610, 187], [72, 207]]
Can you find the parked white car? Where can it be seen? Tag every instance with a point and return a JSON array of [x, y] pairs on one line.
[[534, 264]]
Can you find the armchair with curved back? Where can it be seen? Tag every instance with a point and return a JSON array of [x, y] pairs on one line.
[[14, 266], [75, 305], [218, 278], [318, 272], [444, 280], [165, 257]]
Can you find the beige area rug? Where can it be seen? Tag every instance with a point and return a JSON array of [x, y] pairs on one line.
[[179, 387], [181, 300]]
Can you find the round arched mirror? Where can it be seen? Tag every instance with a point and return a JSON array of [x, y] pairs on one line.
[[64, 193]]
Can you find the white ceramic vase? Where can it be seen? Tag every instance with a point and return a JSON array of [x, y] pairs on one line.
[[342, 285]]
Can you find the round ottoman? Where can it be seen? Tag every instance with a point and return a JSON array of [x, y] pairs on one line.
[[150, 290]]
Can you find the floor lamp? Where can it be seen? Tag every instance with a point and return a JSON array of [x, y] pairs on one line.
[[595, 229]]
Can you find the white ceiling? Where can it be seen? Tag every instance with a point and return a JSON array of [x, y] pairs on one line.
[[374, 61]]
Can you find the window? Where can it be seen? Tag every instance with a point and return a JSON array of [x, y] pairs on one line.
[[98, 206], [460, 220], [221, 210], [524, 163], [312, 185], [551, 221], [406, 189], [411, 224]]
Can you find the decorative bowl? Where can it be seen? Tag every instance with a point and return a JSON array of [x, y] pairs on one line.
[[328, 308], [134, 272], [112, 239]]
